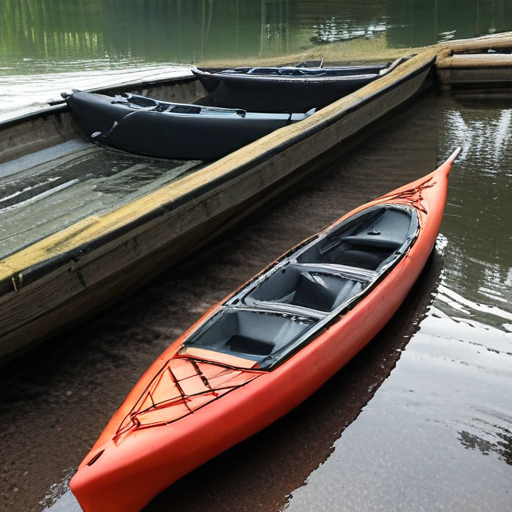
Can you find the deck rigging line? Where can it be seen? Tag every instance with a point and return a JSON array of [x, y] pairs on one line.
[[131, 420], [413, 196]]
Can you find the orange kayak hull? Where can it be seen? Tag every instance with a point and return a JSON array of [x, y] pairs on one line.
[[133, 461]]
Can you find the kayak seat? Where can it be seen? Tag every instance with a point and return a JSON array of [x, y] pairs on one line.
[[321, 290], [373, 241], [246, 345], [313, 293], [367, 243], [349, 290], [322, 297], [356, 257], [253, 334]]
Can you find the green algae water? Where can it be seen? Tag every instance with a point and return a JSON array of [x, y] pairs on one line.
[[47, 46], [185, 31]]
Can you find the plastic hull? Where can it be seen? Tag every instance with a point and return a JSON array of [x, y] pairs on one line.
[[185, 131], [133, 461]]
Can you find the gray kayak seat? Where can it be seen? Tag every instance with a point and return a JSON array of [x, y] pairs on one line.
[[255, 333], [280, 309], [317, 289], [367, 246]]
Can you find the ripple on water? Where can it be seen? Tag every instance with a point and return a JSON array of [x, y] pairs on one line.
[[418, 445], [437, 433]]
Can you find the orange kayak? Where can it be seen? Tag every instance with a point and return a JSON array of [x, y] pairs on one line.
[[266, 348]]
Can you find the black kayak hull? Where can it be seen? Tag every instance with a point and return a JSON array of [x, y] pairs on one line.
[[167, 130], [291, 90]]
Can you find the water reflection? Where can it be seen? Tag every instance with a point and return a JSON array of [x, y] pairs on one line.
[[84, 180], [502, 444], [418, 443], [479, 215], [337, 29], [193, 30]]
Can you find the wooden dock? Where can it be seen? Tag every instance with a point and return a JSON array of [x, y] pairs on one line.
[[53, 282], [477, 66]]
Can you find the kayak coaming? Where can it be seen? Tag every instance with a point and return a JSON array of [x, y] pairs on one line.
[[85, 267], [124, 471], [354, 265]]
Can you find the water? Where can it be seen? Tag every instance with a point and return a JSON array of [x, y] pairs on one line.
[[438, 433], [83, 43], [427, 408], [83, 180], [183, 32]]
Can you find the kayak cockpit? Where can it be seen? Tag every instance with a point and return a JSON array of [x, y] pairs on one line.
[[254, 333], [368, 242], [321, 288], [278, 312]]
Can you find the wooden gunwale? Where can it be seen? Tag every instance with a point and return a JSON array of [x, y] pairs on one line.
[[93, 262], [461, 61]]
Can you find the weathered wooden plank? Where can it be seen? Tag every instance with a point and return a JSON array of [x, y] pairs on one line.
[[468, 64], [495, 61], [84, 267]]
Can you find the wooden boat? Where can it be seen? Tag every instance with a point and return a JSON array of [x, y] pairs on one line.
[[286, 89], [57, 277], [146, 126], [263, 350]]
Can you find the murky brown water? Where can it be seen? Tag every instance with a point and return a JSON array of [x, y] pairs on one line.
[[427, 404], [438, 433], [433, 432]]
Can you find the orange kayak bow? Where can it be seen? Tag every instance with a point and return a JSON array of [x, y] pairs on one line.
[[266, 348]]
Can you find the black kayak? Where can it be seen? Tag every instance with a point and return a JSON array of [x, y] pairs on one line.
[[289, 88], [171, 130]]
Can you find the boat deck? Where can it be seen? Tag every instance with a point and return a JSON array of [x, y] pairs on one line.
[[46, 191]]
